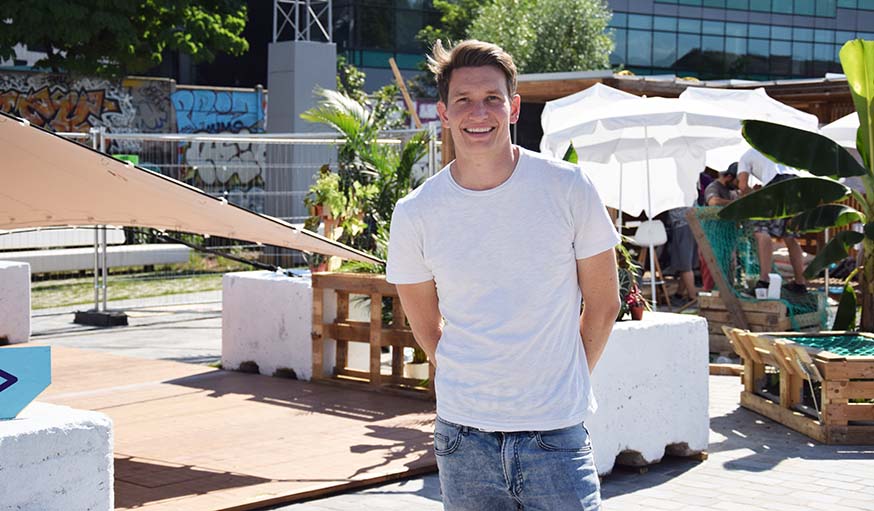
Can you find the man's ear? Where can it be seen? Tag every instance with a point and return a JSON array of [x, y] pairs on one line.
[[441, 113], [515, 108]]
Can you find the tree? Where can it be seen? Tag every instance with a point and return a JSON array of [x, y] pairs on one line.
[[547, 35], [119, 37], [455, 18], [811, 202]]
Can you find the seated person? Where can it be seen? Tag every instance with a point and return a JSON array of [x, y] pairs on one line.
[[721, 191], [768, 172]]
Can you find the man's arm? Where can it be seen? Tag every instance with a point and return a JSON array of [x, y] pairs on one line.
[[743, 183], [718, 201], [600, 287], [420, 305]]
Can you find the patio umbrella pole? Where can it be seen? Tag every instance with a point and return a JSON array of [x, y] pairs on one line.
[[619, 216], [652, 283]]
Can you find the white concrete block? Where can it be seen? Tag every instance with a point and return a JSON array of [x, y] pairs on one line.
[[651, 385], [14, 301], [267, 319], [56, 458]]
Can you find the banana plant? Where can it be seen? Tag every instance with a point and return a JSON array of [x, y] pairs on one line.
[[811, 203]]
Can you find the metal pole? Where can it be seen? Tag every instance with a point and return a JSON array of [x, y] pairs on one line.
[[826, 268], [652, 276], [619, 216], [95, 144], [104, 269], [275, 13]]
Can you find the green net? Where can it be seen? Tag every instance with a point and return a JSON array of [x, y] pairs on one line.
[[734, 246], [849, 345]]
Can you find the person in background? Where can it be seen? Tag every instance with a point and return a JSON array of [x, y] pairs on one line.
[[768, 172], [514, 355], [722, 191], [683, 250]]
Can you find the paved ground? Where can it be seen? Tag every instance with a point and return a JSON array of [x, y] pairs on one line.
[[754, 464]]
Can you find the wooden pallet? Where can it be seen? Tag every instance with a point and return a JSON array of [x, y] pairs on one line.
[[761, 316], [842, 379], [342, 329]]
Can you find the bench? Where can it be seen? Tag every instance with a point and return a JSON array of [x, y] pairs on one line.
[[72, 249]]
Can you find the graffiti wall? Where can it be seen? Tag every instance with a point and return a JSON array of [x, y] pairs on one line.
[[234, 168]]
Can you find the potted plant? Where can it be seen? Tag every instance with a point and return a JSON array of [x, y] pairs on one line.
[[418, 367]]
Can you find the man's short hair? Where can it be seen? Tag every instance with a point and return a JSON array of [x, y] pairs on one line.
[[730, 171], [469, 53]]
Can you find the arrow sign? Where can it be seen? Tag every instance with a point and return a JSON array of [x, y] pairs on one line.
[[24, 374]]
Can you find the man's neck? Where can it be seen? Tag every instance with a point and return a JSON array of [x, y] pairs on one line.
[[484, 172]]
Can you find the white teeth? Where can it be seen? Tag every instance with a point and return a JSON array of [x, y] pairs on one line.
[[478, 130]]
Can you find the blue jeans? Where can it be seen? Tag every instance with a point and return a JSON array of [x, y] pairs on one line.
[[526, 470]]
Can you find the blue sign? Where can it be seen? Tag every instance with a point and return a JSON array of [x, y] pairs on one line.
[[24, 374]]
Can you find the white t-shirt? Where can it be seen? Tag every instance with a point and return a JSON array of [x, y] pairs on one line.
[[757, 164], [504, 262]]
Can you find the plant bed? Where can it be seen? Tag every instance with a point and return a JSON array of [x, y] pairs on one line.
[[826, 395], [378, 333]]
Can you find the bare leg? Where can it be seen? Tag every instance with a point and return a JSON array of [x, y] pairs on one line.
[[766, 253], [796, 257], [687, 278]]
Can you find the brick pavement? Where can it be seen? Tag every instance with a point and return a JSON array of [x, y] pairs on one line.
[[754, 464]]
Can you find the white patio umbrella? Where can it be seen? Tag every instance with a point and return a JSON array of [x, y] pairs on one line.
[[748, 104], [843, 131], [646, 130]]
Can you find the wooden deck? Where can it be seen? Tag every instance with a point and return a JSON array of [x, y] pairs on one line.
[[196, 438]]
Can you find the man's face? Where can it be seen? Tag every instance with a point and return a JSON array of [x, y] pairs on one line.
[[479, 110], [730, 181]]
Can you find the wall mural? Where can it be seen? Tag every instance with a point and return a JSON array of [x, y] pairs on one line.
[[234, 169]]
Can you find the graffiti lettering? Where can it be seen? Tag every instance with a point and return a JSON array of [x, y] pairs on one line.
[[58, 109], [217, 111]]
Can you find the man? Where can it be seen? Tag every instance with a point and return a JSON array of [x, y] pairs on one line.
[[491, 257], [683, 249], [720, 192], [755, 163]]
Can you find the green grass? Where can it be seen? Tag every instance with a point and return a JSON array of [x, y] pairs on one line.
[[79, 291]]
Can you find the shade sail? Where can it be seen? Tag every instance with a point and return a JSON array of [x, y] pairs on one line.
[[50, 181], [843, 131]]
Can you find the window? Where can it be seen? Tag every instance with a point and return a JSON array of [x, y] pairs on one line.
[[760, 5], [640, 21], [664, 49], [824, 36], [867, 5], [639, 46], [620, 19], [783, 6], [408, 23], [802, 34], [737, 4], [665, 23], [713, 27], [689, 2], [763, 31], [847, 4], [689, 25], [714, 3], [758, 47], [802, 56], [778, 32], [823, 52], [687, 43], [736, 29], [841, 37], [805, 7], [619, 47], [713, 43], [826, 8], [735, 45]]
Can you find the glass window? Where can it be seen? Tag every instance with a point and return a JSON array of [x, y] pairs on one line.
[[841, 36], [868, 36], [805, 7], [778, 32], [371, 58], [378, 33], [689, 25], [763, 31], [802, 34], [758, 47], [781, 58], [713, 27], [826, 8], [639, 47], [713, 43], [736, 45], [689, 2], [620, 19], [783, 48], [665, 23], [407, 24], [664, 49], [687, 43], [802, 57], [737, 4], [823, 52], [619, 47], [867, 5], [784, 6], [824, 36], [640, 21], [714, 3], [847, 4], [736, 29], [760, 5]]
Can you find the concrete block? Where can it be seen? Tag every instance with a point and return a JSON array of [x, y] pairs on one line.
[[267, 319], [651, 385], [56, 458], [14, 302]]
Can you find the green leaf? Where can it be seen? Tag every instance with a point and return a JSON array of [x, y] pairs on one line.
[[801, 149], [571, 155], [835, 250], [869, 230], [845, 318], [825, 216], [857, 59], [785, 199]]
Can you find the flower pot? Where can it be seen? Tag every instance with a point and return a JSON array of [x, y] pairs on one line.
[[636, 312], [417, 371]]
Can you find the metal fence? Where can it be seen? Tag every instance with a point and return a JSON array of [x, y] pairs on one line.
[[266, 173]]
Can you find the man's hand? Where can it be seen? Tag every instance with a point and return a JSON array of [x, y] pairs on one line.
[[420, 306], [600, 286]]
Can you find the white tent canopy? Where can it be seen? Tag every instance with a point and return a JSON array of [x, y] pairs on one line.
[[748, 104], [50, 181], [843, 131]]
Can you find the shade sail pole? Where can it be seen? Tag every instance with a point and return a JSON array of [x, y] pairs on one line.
[[619, 216], [652, 282]]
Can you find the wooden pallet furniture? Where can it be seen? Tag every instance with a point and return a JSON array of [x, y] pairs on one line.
[[396, 335], [845, 398], [760, 316]]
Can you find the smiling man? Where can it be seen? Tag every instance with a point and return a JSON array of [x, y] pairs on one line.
[[491, 258]]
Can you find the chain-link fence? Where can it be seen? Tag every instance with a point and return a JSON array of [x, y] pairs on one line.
[[265, 173]]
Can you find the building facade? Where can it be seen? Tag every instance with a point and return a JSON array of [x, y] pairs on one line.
[[751, 39]]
